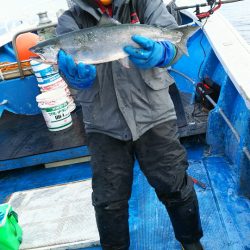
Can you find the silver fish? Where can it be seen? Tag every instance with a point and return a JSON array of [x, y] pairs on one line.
[[100, 44]]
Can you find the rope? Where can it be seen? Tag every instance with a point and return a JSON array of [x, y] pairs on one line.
[[1, 75]]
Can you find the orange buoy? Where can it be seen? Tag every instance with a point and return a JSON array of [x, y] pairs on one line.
[[24, 42]]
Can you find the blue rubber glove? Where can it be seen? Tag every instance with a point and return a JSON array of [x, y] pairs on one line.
[[78, 76], [151, 54]]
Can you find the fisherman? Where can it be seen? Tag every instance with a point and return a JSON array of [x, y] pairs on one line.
[[129, 114]]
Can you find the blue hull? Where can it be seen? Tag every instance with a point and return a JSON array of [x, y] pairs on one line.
[[219, 160]]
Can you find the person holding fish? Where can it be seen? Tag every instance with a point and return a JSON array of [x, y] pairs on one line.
[[128, 114]]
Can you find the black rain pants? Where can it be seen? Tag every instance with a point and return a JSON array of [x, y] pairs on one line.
[[163, 161]]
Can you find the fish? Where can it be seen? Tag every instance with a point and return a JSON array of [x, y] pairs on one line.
[[105, 42]]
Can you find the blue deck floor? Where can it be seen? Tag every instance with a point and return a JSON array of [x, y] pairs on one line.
[[225, 216]]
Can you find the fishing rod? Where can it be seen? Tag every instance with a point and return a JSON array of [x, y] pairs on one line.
[[214, 6]]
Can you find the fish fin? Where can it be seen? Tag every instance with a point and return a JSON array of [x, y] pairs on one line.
[[187, 32], [106, 20], [183, 48], [125, 62]]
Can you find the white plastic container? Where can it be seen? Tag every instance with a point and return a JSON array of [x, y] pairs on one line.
[[59, 84], [55, 109], [44, 73], [71, 104], [49, 79]]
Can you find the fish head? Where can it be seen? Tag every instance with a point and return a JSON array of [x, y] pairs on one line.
[[46, 51]]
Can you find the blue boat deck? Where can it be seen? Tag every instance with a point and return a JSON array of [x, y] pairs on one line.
[[225, 215]]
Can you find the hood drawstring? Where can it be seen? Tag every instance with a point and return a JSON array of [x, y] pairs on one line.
[[128, 14]]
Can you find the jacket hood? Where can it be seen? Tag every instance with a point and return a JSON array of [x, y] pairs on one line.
[[93, 3], [92, 7]]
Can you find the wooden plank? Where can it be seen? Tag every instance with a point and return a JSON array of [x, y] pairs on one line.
[[68, 162]]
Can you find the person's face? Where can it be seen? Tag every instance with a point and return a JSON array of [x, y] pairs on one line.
[[106, 2]]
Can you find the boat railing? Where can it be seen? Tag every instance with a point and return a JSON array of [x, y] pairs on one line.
[[220, 110], [24, 70]]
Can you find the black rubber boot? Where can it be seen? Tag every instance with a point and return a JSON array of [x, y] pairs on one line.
[[192, 246], [112, 223], [185, 219]]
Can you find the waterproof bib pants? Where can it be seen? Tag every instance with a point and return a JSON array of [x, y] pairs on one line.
[[163, 161]]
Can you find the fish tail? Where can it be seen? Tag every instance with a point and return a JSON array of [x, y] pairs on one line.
[[187, 32]]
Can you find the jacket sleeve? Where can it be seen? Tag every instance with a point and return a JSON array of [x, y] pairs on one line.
[[155, 12], [66, 23]]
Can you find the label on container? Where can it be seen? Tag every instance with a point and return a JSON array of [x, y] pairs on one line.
[[57, 117], [47, 79], [60, 83], [45, 73]]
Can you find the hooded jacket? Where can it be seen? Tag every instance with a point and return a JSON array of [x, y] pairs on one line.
[[123, 102]]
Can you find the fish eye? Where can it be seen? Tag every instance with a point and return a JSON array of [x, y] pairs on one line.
[[39, 50]]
